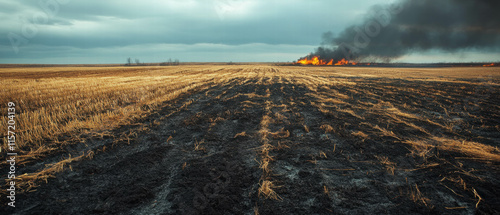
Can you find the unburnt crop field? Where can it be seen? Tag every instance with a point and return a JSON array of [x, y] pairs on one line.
[[253, 139]]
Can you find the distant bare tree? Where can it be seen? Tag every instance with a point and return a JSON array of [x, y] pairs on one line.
[[129, 61], [137, 62], [170, 62]]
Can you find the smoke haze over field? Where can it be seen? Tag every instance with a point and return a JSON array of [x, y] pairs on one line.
[[408, 26]]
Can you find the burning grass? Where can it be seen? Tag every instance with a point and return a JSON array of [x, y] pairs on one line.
[[316, 61]]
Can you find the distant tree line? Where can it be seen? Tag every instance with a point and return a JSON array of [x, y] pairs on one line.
[[170, 62], [137, 62], [131, 63]]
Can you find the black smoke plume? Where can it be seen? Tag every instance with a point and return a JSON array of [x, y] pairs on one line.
[[391, 31]]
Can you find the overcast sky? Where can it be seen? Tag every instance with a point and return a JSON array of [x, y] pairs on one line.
[[97, 31]]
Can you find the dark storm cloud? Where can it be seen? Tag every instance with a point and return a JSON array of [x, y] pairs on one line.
[[411, 26], [110, 30], [88, 27], [82, 29], [92, 23]]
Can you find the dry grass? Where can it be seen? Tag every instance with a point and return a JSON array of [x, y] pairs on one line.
[[282, 133], [325, 190], [53, 102], [27, 181], [266, 189], [169, 138], [420, 149], [478, 197], [306, 129], [326, 128], [264, 164], [322, 154], [386, 132], [60, 106], [389, 165], [198, 146], [472, 149], [417, 196], [265, 121], [241, 134], [423, 148], [360, 134]]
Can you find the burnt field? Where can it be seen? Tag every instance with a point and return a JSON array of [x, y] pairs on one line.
[[254, 139]]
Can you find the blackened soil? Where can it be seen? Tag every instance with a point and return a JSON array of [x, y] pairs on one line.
[[187, 158]]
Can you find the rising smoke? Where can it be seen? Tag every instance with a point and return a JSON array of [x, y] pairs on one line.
[[391, 31]]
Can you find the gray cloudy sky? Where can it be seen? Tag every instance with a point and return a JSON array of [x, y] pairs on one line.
[[96, 31]]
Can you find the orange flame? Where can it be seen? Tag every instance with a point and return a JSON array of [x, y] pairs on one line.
[[330, 62], [492, 64], [342, 62], [316, 61]]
